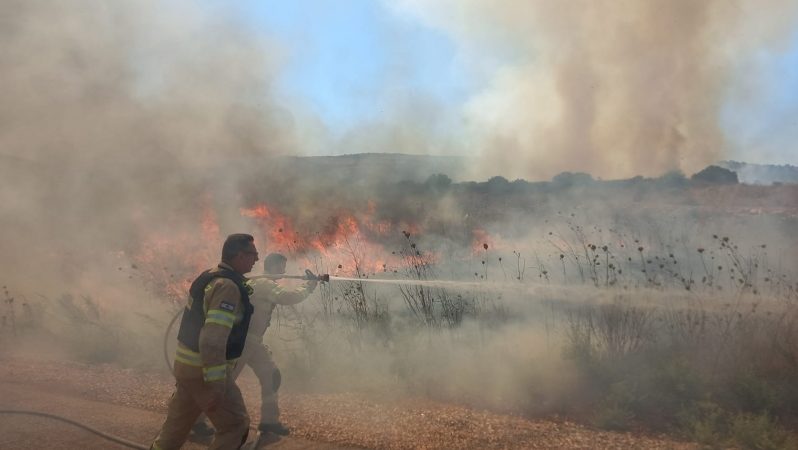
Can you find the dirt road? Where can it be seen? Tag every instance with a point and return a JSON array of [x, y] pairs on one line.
[[73, 391], [131, 404]]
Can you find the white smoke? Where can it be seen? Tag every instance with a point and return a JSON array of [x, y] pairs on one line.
[[612, 88]]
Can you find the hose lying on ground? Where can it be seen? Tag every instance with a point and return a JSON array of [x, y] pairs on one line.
[[103, 434], [110, 437], [166, 339]]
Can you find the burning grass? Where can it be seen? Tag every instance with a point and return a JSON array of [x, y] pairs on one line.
[[622, 323], [699, 340]]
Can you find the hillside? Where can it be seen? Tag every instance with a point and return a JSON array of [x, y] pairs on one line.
[[762, 173], [369, 168]]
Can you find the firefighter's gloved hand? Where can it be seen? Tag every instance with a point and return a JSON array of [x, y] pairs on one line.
[[313, 280], [216, 391], [310, 276]]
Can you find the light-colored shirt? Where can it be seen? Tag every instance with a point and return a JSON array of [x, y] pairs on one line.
[[267, 294]]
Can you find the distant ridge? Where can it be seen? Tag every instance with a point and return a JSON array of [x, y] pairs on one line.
[[375, 168], [762, 173], [371, 167]]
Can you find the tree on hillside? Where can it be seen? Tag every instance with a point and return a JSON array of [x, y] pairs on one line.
[[438, 181], [715, 175], [672, 180], [569, 179]]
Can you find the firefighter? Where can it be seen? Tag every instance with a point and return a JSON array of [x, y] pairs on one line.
[[266, 295], [212, 336]]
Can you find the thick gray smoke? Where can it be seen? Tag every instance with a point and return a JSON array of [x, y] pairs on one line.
[[117, 117], [132, 121], [613, 88]]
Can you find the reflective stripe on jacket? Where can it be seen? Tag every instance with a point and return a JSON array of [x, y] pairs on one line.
[[198, 314]]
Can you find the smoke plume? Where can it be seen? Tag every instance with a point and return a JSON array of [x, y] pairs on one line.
[[616, 89], [117, 117]]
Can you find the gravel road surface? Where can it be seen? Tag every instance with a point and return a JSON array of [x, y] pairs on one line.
[[131, 404]]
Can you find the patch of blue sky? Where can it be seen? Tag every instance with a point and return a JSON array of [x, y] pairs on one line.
[[762, 124], [345, 58]]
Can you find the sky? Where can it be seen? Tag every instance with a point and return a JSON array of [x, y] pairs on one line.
[[521, 88], [343, 54], [765, 126], [350, 62]]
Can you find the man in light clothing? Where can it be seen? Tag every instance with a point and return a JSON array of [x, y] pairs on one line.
[[266, 295]]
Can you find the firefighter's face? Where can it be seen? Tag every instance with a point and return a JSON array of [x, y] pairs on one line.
[[244, 261]]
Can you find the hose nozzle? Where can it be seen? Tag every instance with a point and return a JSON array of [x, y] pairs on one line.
[[310, 276]]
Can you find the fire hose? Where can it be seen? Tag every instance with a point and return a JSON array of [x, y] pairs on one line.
[[110, 437], [122, 441]]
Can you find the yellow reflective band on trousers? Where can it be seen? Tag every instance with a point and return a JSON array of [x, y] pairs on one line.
[[155, 447], [214, 373], [219, 317], [188, 357]]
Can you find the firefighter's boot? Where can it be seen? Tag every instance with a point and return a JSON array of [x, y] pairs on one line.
[[202, 430], [276, 428]]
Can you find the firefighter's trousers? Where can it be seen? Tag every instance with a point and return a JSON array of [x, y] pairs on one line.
[[230, 418], [258, 356]]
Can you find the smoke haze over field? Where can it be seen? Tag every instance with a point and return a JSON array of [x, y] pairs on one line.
[[116, 117], [136, 134], [139, 118]]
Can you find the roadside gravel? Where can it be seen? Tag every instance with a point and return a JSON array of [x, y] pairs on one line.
[[346, 419]]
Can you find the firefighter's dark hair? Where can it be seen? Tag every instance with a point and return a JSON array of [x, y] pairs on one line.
[[235, 244], [273, 261]]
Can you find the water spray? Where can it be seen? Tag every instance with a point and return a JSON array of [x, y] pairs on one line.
[[327, 278], [427, 283]]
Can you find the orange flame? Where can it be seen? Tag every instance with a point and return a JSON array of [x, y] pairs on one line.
[[481, 241], [346, 243], [167, 259]]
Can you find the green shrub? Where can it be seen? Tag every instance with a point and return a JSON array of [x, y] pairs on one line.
[[669, 385], [754, 394], [760, 432], [704, 422], [613, 414]]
